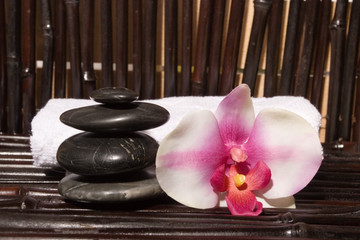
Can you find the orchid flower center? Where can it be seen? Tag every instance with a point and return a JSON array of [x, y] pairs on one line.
[[238, 155], [239, 179]]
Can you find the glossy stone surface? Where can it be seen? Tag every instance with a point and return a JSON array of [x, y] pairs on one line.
[[125, 118], [136, 186], [112, 95], [93, 154]]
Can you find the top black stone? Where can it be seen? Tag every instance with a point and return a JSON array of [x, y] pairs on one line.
[[125, 117], [111, 95]]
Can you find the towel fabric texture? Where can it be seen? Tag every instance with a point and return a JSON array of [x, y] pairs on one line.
[[48, 132]]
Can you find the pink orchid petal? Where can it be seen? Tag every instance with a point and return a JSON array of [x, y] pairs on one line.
[[187, 159], [259, 176], [290, 148], [238, 206], [241, 201], [236, 116], [219, 180]]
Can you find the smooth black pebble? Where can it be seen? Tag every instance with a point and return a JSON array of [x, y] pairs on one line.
[[111, 95], [92, 154], [141, 185], [128, 117]]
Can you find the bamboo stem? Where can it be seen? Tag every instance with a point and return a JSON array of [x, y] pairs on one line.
[[87, 53], [137, 40], [106, 44], [306, 49], [289, 51], [122, 44], [215, 47], [337, 36], [170, 83], [199, 80], [3, 81], [232, 46], [348, 79], [46, 76], [28, 59], [72, 25], [186, 49], [273, 48], [60, 45], [14, 120], [321, 53], [262, 9], [149, 50]]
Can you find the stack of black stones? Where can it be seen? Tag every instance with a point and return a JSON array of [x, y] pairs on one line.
[[112, 161]]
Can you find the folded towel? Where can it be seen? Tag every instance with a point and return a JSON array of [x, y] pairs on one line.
[[48, 132]]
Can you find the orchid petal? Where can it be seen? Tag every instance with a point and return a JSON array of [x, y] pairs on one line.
[[235, 115], [219, 180], [241, 201], [244, 204], [187, 159], [258, 177], [289, 146]]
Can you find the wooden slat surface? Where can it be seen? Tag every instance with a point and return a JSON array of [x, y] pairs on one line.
[[30, 207]]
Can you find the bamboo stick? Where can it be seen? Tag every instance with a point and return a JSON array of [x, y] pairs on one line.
[[87, 46], [232, 45], [122, 43], [170, 83], [28, 66], [106, 44], [199, 80], [321, 54], [215, 47], [348, 79], [3, 84], [261, 12], [149, 50], [289, 51], [48, 50], [356, 130], [273, 48], [137, 40], [337, 36], [60, 45], [14, 102], [186, 49], [72, 26], [306, 49]]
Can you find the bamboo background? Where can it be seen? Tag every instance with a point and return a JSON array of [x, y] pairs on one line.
[[244, 42], [102, 75]]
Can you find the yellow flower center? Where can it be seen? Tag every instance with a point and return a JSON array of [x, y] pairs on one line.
[[239, 179]]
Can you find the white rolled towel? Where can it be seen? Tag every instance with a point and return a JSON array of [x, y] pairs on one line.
[[48, 132]]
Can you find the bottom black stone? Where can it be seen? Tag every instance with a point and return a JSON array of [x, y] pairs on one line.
[[138, 186]]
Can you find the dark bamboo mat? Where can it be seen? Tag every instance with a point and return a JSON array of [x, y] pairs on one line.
[[30, 207]]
